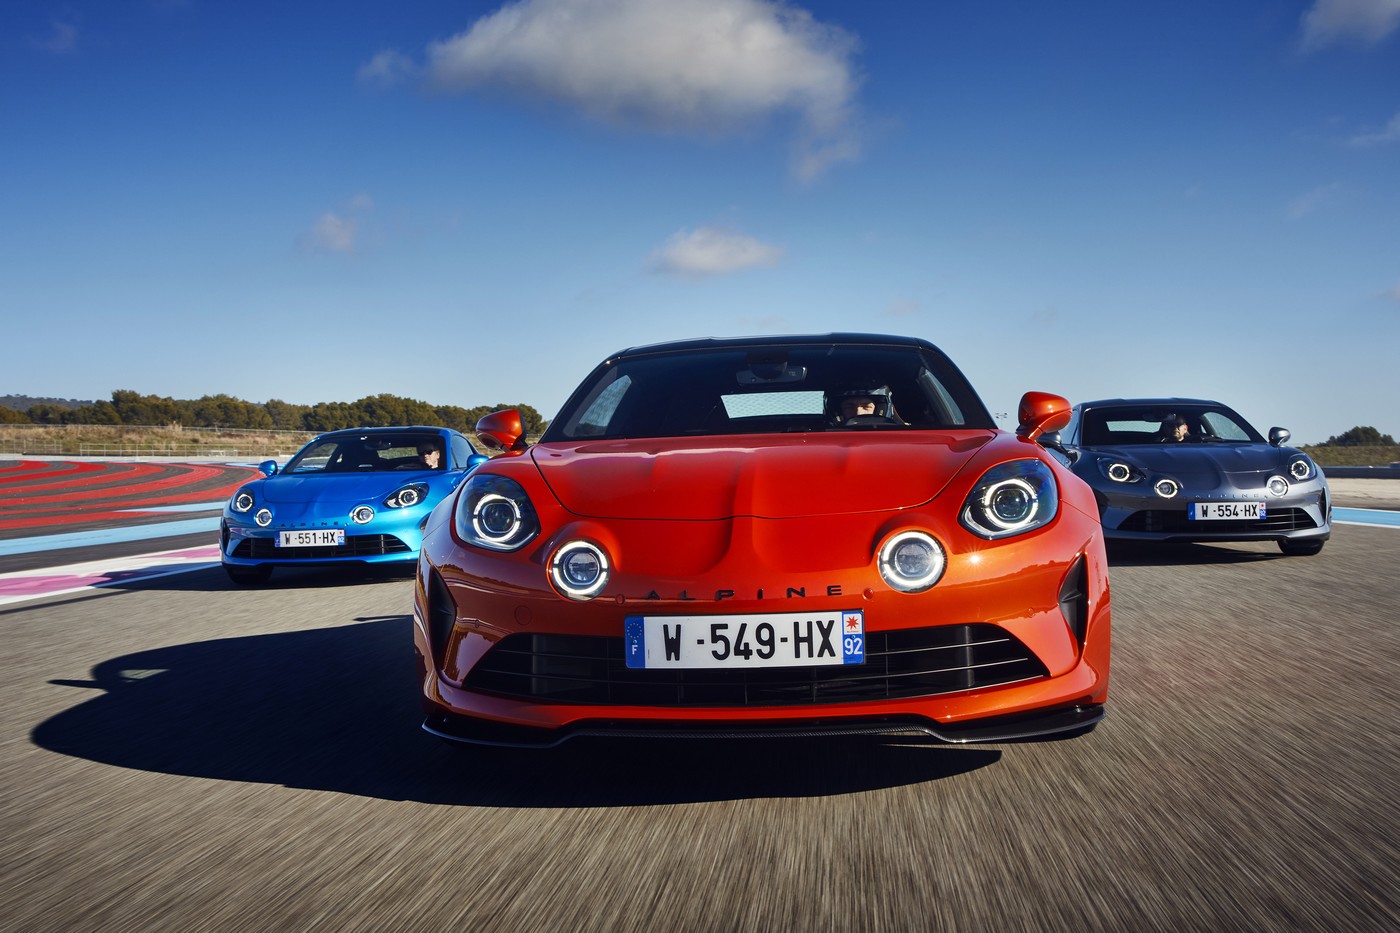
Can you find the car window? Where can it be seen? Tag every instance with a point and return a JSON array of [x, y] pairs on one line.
[[462, 451], [313, 458], [1220, 425], [756, 405], [1125, 426], [359, 453], [782, 388]]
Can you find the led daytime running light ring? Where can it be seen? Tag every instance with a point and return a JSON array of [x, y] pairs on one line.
[[558, 570], [1016, 483], [516, 519], [890, 569]]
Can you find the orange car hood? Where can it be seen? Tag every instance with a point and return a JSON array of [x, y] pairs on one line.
[[769, 477]]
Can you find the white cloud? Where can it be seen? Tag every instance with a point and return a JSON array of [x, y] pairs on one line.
[[708, 251], [1389, 133], [339, 232], [335, 233], [1314, 200], [1328, 22], [387, 68], [62, 40], [703, 66]]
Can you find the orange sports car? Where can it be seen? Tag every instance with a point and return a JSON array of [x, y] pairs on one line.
[[807, 535]]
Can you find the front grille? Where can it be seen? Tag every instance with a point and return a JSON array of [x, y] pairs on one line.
[[908, 663], [354, 546], [1176, 522]]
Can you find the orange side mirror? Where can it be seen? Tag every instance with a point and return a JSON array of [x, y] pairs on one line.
[[501, 431], [1040, 412]]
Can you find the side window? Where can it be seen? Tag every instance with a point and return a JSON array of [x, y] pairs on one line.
[[314, 459], [461, 452], [1223, 427], [596, 418]]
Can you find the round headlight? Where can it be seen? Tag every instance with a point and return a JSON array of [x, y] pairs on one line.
[[1011, 498], [1010, 504], [1166, 488], [494, 512], [263, 518], [911, 561], [496, 517], [579, 569], [243, 502], [1300, 469], [361, 514], [407, 497], [1119, 472], [1278, 486]]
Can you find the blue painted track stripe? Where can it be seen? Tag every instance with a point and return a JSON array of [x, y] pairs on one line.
[[192, 507], [1366, 517], [108, 536]]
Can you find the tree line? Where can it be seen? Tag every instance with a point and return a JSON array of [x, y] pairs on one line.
[[225, 411]]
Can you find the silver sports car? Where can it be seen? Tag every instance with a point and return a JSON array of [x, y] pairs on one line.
[[1176, 469]]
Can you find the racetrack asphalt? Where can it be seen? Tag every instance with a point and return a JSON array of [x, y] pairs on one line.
[[183, 753]]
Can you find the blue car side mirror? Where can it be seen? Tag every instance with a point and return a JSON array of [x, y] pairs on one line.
[[267, 467]]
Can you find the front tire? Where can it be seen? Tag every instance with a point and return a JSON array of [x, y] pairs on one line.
[[248, 576], [1300, 548]]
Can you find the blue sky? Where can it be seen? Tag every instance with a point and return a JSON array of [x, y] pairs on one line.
[[474, 202]]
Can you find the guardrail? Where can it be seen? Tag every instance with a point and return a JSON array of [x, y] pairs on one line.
[[1366, 472]]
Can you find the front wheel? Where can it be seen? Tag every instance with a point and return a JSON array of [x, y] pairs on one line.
[[248, 576], [1300, 548]]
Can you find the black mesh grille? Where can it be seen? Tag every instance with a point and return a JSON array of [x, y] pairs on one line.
[[908, 663], [1176, 522], [354, 546]]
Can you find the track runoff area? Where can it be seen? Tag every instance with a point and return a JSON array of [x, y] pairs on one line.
[[66, 527]]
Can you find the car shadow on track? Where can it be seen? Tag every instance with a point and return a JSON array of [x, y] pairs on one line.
[[334, 709], [1174, 554]]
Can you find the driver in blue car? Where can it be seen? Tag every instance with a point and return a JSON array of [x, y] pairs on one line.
[[429, 456]]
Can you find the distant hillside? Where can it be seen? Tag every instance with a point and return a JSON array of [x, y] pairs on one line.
[[22, 402]]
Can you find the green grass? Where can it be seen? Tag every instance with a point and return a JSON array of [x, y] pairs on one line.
[[1380, 455], [96, 440], [76, 440]]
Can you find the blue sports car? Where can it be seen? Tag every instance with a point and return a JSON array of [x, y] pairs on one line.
[[360, 496], [1173, 469]]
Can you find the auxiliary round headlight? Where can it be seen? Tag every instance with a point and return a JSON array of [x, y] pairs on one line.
[[361, 514], [243, 502], [1278, 486], [1119, 472], [1166, 488], [263, 518], [579, 569], [912, 561]]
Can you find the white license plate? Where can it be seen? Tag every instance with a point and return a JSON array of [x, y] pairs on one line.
[[779, 639], [321, 537], [1211, 511]]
